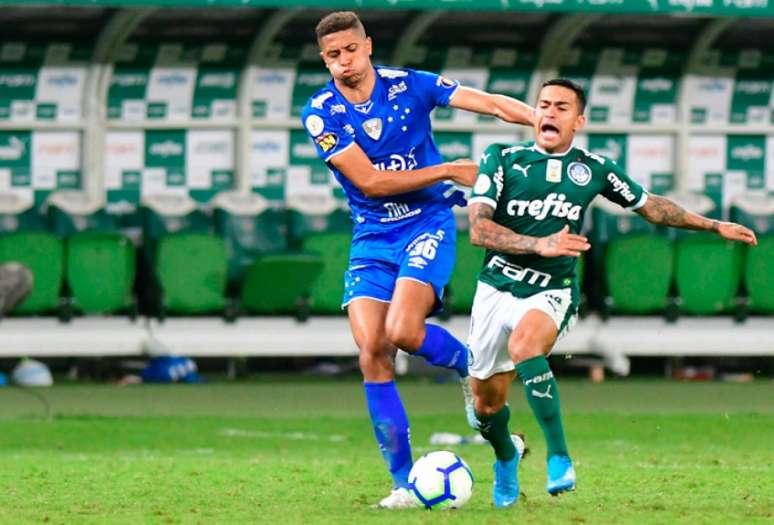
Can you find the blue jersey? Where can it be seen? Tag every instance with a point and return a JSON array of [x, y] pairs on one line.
[[393, 129]]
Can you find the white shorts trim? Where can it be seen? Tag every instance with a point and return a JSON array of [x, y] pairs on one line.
[[414, 279], [494, 316], [350, 301]]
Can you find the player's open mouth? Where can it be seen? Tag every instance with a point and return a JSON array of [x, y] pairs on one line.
[[549, 131]]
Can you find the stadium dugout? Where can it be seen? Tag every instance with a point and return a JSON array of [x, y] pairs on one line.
[[155, 176]]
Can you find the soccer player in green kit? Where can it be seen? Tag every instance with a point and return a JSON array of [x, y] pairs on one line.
[[527, 210]]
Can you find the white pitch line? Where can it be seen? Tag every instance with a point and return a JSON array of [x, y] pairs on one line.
[[299, 436]]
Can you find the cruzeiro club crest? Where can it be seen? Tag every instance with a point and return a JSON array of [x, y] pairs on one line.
[[373, 128], [579, 173]]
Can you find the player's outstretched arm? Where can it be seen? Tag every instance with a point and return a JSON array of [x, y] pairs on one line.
[[354, 164], [661, 210], [487, 233], [505, 108]]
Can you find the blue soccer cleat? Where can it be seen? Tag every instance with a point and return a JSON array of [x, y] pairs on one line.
[[561, 475], [506, 482]]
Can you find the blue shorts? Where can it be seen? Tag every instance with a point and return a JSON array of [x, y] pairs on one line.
[[423, 251]]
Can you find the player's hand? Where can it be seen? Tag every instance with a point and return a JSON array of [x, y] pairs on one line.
[[462, 171], [562, 243], [737, 232]]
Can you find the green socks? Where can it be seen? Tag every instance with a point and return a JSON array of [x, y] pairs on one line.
[[494, 428], [543, 397]]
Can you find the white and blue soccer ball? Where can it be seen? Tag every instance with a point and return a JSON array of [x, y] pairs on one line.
[[441, 480]]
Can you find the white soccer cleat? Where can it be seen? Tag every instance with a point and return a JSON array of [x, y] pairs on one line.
[[399, 498], [470, 407]]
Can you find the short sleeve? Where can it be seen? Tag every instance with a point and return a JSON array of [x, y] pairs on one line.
[[621, 189], [436, 89], [489, 183], [327, 132]]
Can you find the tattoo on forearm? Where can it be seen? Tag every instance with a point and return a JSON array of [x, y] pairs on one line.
[[487, 233], [660, 210]]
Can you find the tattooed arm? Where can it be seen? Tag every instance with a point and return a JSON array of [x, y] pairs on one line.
[[660, 210], [487, 233]]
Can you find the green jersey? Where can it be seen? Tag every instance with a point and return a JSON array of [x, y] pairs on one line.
[[537, 193]]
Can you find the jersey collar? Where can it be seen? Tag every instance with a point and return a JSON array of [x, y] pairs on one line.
[[362, 108], [537, 148]]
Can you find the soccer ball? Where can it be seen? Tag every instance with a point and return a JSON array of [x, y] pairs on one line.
[[441, 480]]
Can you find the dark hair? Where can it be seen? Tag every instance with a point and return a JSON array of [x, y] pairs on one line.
[[338, 21], [569, 84]]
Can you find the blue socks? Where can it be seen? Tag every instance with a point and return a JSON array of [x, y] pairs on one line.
[[391, 429], [440, 348]]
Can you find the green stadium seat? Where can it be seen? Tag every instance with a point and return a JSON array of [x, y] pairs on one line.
[[100, 272], [42, 253], [99, 261], [637, 260], [24, 238], [189, 263], [756, 211], [708, 269], [320, 227], [272, 280], [462, 285], [708, 272], [192, 270]]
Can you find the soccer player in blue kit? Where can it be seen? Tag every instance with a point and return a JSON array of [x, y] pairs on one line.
[[371, 125]]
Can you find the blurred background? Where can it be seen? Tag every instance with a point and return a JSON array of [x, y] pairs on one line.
[[156, 180]]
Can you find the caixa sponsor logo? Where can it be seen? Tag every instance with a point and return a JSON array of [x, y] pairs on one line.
[[212, 147], [397, 162], [753, 88], [15, 81], [218, 80], [168, 148], [271, 78], [172, 79], [304, 151], [266, 146], [555, 205], [621, 187], [656, 85], [747, 152], [63, 80], [519, 273], [454, 149], [129, 80], [312, 79], [712, 85], [508, 86]]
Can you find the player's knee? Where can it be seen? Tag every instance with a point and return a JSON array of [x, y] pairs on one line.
[[375, 366], [525, 345], [488, 407], [405, 335]]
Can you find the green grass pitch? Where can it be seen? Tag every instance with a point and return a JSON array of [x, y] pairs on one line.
[[284, 450]]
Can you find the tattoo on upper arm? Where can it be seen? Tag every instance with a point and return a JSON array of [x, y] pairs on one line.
[[661, 210]]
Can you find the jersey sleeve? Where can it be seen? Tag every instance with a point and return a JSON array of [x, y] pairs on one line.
[[621, 189], [437, 90], [326, 132], [489, 183]]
